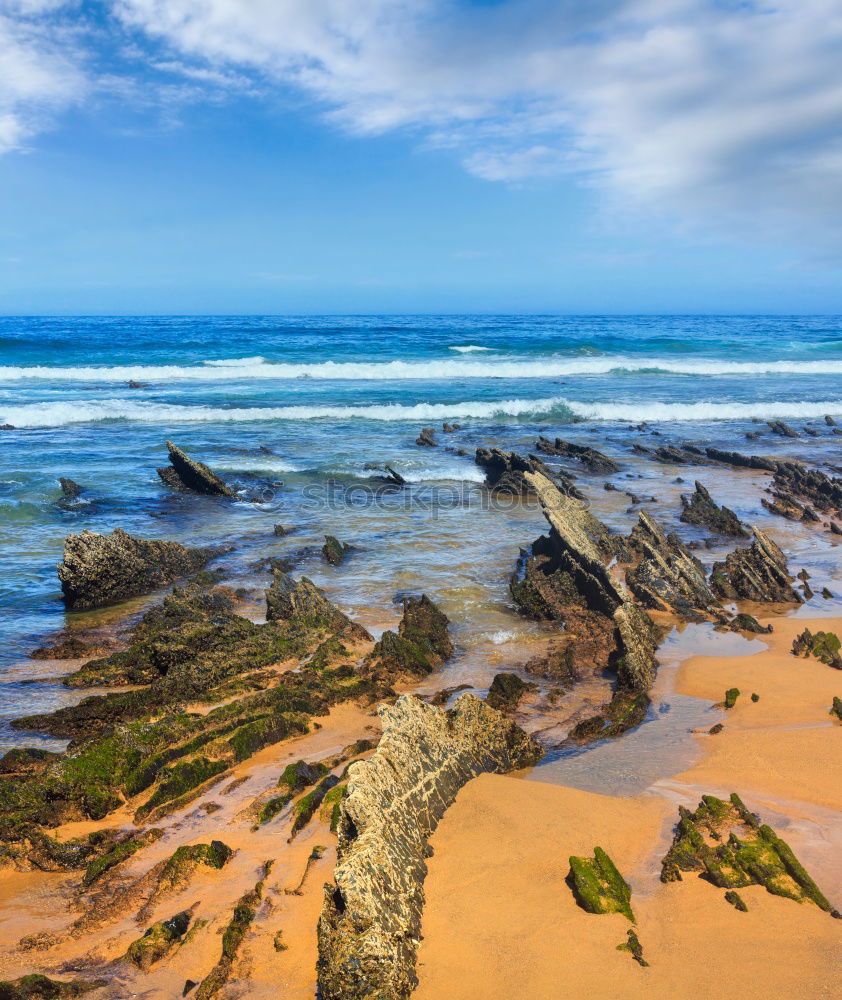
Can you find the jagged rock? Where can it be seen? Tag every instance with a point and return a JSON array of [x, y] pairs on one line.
[[122, 851], [307, 805], [7, 427], [69, 488], [668, 576], [38, 987], [687, 454], [427, 437], [371, 916], [598, 886], [391, 478], [334, 551], [505, 472], [304, 604], [780, 428], [830, 421], [736, 900], [747, 623], [592, 459], [823, 645], [280, 531], [633, 946], [421, 644], [98, 570], [758, 573], [158, 941], [185, 473], [727, 846], [506, 692], [741, 461], [798, 492], [699, 508]]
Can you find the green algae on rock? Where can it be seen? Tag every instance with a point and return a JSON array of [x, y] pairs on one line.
[[728, 846], [122, 852], [598, 886], [158, 941], [506, 691], [836, 708], [306, 806], [38, 987], [823, 645], [731, 696], [736, 900], [334, 551], [420, 645], [633, 946], [184, 861]]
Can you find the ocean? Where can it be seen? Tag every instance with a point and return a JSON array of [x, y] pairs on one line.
[[293, 410]]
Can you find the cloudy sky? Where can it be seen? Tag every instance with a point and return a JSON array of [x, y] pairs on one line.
[[420, 155]]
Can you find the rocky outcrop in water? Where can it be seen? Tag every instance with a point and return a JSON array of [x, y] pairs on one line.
[[420, 645], [758, 573], [70, 489], [699, 508], [304, 605], [592, 459], [98, 570], [781, 429], [427, 438], [186, 474], [371, 917], [740, 461], [798, 492], [334, 551], [668, 576], [505, 472]]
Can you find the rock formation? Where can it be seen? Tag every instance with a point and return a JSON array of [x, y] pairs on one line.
[[371, 917], [427, 437], [98, 570], [798, 492], [700, 509], [70, 489], [304, 604], [668, 576], [505, 472], [592, 459], [728, 847], [758, 573], [334, 551], [186, 474], [420, 645]]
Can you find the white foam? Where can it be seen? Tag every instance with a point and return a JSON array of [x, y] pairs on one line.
[[245, 369], [268, 465], [708, 410], [501, 637], [468, 348]]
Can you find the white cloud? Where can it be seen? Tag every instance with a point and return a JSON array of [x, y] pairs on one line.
[[40, 70]]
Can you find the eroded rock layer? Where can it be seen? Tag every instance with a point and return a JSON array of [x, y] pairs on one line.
[[371, 917], [758, 573], [186, 474], [98, 570]]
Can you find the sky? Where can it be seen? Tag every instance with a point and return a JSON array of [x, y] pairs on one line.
[[347, 156]]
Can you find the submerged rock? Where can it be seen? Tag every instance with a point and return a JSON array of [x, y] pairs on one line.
[[780, 428], [741, 461], [186, 474], [334, 551], [98, 570], [699, 508], [592, 459], [421, 644], [371, 916], [506, 692], [598, 886], [727, 846], [758, 573], [427, 437], [799, 492], [69, 488]]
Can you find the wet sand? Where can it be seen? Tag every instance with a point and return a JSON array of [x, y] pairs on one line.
[[500, 922]]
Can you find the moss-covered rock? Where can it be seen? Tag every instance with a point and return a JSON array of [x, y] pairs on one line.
[[731, 696], [38, 987], [736, 900], [823, 645], [598, 886], [836, 708], [185, 860], [334, 551], [122, 852], [506, 691], [421, 644], [633, 946], [727, 845], [158, 941], [307, 805]]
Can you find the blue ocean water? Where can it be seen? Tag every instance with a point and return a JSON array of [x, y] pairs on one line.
[[280, 406]]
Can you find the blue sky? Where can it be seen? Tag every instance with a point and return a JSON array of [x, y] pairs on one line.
[[419, 155]]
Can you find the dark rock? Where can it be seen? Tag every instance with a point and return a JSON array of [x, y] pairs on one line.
[[450, 428], [727, 846], [304, 605], [716, 730], [186, 474], [731, 696], [758, 573], [782, 429], [421, 644], [391, 478], [700, 509], [593, 460], [71, 648], [741, 461], [747, 623], [827, 594], [633, 946], [836, 708], [334, 551], [38, 987], [69, 488], [426, 438], [505, 472], [98, 570], [736, 900], [371, 916], [797, 490], [830, 421], [609, 487], [22, 761], [280, 531], [506, 691], [137, 385]]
